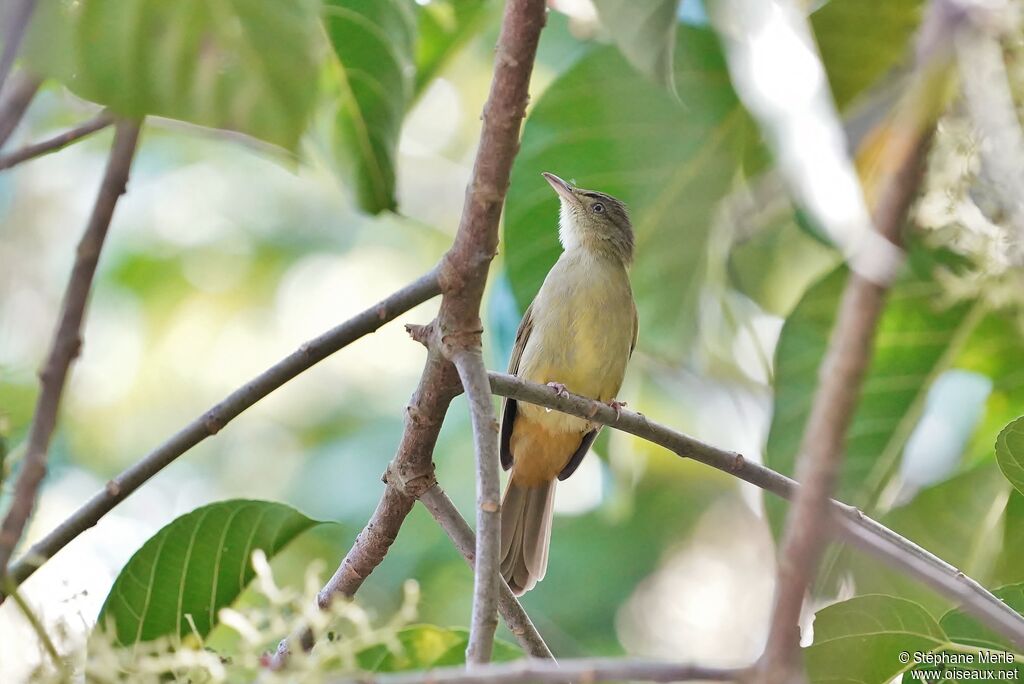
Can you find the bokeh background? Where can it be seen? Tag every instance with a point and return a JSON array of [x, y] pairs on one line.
[[227, 253]]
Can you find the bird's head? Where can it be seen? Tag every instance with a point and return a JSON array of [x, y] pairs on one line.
[[592, 220]]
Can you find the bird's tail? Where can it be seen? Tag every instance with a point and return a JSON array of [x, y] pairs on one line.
[[526, 533]]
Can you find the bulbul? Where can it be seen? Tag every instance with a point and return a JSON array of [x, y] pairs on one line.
[[576, 336]]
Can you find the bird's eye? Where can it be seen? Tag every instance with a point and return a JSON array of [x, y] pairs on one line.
[[598, 208]]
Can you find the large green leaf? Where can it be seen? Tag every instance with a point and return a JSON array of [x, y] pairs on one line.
[[195, 566], [859, 640], [423, 647], [245, 65], [444, 27], [860, 40], [1010, 453], [918, 337], [373, 42], [645, 32], [610, 130]]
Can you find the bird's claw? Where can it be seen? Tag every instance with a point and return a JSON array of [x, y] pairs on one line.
[[560, 389], [617, 406]]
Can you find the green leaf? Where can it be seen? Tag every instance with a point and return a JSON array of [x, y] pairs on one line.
[[1010, 453], [444, 27], [964, 629], [1010, 567], [244, 65], [195, 566], [645, 32], [858, 641], [611, 131], [861, 40], [373, 43], [426, 646], [918, 337]]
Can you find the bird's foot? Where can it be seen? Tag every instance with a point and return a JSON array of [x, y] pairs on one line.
[[559, 389], [617, 406]]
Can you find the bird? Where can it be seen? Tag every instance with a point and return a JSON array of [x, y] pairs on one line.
[[576, 336]]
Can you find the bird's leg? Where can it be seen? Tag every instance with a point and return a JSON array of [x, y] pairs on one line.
[[617, 406], [560, 389]]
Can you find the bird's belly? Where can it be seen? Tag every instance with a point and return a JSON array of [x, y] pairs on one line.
[[583, 345]]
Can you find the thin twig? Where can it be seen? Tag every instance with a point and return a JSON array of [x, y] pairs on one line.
[[15, 102], [67, 340], [213, 420], [40, 631], [580, 670], [57, 142], [459, 531], [18, 21], [469, 260], [850, 523], [486, 568]]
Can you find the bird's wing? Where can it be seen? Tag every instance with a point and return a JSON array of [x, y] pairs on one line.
[[508, 411], [636, 330]]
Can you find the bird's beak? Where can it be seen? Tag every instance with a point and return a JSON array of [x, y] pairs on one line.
[[564, 189]]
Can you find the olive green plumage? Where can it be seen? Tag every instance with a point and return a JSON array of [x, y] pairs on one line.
[[578, 333]]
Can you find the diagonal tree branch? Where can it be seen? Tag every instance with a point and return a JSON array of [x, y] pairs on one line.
[[213, 420], [849, 522], [67, 340], [57, 142], [893, 167], [579, 670], [519, 623], [16, 99]]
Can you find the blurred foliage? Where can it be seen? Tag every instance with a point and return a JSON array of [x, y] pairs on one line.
[[645, 31], [225, 64], [918, 337], [601, 127], [227, 253]]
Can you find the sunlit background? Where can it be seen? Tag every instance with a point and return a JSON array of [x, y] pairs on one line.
[[225, 255]]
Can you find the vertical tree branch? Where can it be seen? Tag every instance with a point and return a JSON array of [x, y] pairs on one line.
[[16, 99], [19, 15], [459, 531], [469, 259], [456, 334], [893, 166], [487, 566], [67, 340]]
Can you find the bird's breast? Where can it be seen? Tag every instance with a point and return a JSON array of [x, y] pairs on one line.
[[582, 331]]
